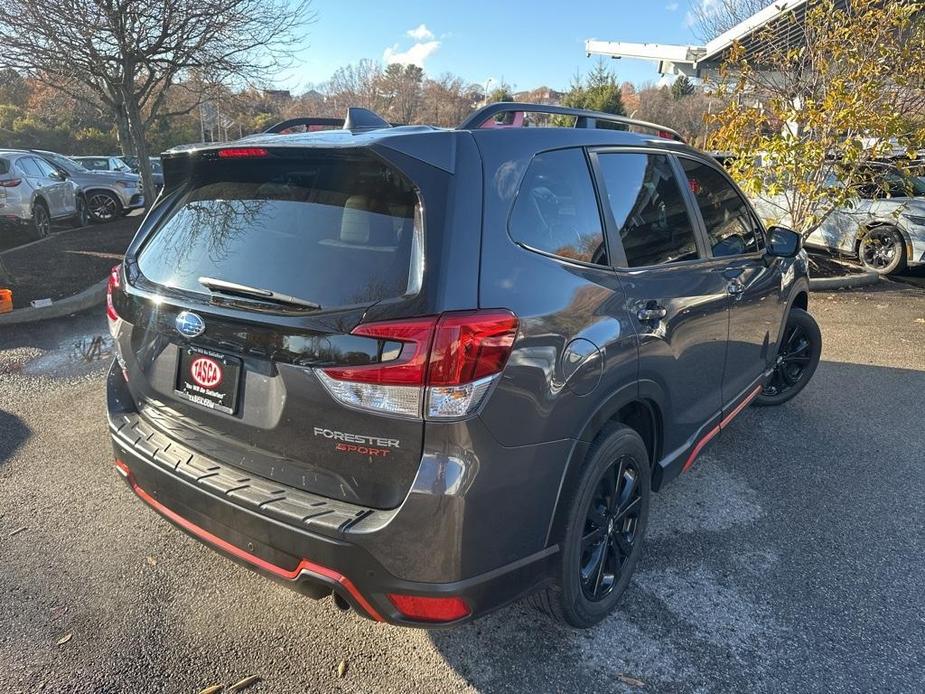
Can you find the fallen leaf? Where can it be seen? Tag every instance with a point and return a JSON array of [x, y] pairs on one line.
[[245, 683], [64, 639], [151, 560], [17, 531], [342, 668], [631, 681], [214, 689]]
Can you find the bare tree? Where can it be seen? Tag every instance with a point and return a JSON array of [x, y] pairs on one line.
[[686, 113], [400, 88], [355, 85], [710, 18], [132, 54], [447, 100]]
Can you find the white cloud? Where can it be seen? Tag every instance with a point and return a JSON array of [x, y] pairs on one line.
[[416, 55], [420, 33], [672, 7]]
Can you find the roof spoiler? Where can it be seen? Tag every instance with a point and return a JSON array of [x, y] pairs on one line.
[[356, 119], [483, 117]]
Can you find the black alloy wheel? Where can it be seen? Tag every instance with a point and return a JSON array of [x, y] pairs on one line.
[[104, 207], [610, 531], [797, 359], [882, 250], [604, 512], [41, 221]]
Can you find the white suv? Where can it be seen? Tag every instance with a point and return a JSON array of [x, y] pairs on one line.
[[34, 193]]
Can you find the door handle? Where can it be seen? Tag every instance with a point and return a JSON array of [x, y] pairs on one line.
[[651, 312]]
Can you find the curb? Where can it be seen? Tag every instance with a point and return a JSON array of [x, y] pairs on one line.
[[862, 280], [88, 298]]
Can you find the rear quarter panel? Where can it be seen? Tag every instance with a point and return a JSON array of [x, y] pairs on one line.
[[576, 346]]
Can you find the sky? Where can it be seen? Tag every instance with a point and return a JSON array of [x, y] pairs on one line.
[[527, 43]]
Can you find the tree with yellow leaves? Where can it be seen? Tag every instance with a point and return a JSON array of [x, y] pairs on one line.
[[822, 93]]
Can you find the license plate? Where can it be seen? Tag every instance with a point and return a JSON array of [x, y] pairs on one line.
[[209, 379]]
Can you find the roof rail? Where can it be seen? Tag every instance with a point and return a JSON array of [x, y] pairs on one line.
[[307, 122], [583, 119], [356, 119]]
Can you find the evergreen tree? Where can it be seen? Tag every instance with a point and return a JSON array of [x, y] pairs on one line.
[[600, 91], [682, 87]]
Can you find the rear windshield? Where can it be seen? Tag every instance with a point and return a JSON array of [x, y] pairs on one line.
[[333, 230]]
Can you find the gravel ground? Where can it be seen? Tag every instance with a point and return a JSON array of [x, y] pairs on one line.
[[67, 262], [791, 558]]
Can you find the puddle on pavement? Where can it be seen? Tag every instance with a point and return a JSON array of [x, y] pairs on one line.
[[74, 356]]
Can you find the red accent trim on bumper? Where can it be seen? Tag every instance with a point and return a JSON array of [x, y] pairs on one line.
[[225, 546], [719, 427]]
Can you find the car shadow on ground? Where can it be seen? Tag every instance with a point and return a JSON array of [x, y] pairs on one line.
[[13, 434], [712, 606]]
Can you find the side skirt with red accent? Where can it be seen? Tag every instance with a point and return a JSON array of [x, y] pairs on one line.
[[304, 566], [719, 427]]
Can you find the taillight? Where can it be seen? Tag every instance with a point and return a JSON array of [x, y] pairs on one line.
[[469, 350], [424, 609], [112, 285], [10, 183], [442, 365], [242, 153]]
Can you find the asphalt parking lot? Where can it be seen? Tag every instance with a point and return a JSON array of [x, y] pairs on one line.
[[791, 558]]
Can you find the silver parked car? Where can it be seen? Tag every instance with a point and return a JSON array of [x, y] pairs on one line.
[[109, 194], [157, 169], [33, 193], [884, 227], [103, 163]]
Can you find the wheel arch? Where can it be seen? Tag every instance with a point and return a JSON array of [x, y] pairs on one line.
[[87, 192], [878, 223], [39, 199], [638, 406], [799, 298]]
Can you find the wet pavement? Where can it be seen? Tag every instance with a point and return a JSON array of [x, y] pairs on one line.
[[69, 348], [791, 558]]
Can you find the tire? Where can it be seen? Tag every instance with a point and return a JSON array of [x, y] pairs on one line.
[[82, 217], [797, 359], [572, 599], [41, 220], [883, 250], [103, 206]]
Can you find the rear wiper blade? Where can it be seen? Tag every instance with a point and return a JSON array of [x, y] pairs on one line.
[[256, 292]]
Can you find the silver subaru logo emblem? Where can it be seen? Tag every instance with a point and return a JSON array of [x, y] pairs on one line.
[[189, 324]]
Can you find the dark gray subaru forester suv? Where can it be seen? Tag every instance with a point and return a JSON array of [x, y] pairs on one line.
[[431, 371]]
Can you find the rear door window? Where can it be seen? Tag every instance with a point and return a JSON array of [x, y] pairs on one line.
[[648, 208], [29, 167], [335, 230], [556, 210]]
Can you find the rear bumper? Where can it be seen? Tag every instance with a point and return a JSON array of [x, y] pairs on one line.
[[14, 211], [319, 550]]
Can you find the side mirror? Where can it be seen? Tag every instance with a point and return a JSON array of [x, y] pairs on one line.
[[783, 242], [57, 176]]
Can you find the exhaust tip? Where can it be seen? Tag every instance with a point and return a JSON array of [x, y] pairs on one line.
[[342, 604]]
